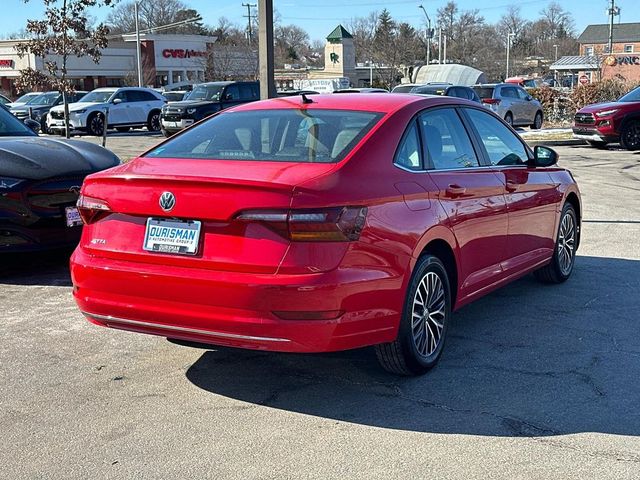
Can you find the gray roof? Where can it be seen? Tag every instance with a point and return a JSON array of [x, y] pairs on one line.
[[584, 62], [449, 73], [622, 32]]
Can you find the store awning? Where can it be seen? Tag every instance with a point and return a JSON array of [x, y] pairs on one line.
[[576, 63]]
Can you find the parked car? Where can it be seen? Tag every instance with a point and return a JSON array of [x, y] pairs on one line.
[[611, 122], [175, 96], [38, 107], [40, 180], [255, 228], [362, 90], [459, 91], [206, 99], [512, 103], [4, 100], [411, 87], [525, 82], [20, 101], [129, 107]]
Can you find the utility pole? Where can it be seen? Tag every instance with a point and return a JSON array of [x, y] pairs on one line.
[[429, 34], [138, 49], [612, 11], [248, 17], [439, 45], [265, 49], [445, 49], [509, 35]]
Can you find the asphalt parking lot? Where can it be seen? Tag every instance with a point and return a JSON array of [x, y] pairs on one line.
[[537, 381]]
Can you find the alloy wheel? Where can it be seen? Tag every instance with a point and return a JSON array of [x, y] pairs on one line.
[[566, 244], [97, 125], [428, 314], [632, 136], [155, 122]]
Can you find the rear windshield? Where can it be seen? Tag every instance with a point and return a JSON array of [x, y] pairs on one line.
[[484, 92], [403, 88], [429, 90], [323, 136]]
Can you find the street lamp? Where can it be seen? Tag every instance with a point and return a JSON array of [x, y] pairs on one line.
[[509, 35], [428, 33], [138, 53]]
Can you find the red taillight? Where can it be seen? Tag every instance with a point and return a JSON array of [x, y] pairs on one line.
[[491, 101], [92, 209], [341, 224]]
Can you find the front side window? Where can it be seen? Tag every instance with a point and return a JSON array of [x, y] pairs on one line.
[[408, 154], [446, 140], [206, 92], [522, 93], [287, 135], [501, 144]]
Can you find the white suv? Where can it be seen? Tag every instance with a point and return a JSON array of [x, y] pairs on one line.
[[128, 107]]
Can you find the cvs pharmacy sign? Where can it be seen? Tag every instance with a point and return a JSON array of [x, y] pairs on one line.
[[182, 53]]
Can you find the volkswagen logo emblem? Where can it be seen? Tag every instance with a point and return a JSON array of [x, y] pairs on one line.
[[167, 201]]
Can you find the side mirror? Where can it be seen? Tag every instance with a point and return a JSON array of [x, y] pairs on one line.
[[32, 124], [543, 157], [116, 101], [529, 98]]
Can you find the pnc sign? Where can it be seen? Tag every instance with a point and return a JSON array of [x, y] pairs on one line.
[[612, 60], [6, 63], [182, 53]]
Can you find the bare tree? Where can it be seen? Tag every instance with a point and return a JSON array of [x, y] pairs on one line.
[[153, 13], [63, 34]]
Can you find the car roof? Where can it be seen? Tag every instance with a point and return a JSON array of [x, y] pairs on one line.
[[365, 102]]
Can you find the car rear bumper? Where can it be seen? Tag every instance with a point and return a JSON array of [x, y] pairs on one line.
[[337, 310]]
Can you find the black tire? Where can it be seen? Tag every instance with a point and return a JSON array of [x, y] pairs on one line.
[[153, 122], [406, 355], [630, 135], [557, 271], [95, 124], [509, 119], [537, 121], [123, 129], [43, 124], [597, 144]]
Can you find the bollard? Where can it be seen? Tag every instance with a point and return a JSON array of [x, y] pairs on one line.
[[105, 114]]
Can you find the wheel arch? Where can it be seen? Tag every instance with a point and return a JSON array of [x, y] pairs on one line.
[[572, 198], [441, 243]]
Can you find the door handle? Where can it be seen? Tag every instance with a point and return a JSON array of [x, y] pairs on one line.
[[511, 186], [455, 190]]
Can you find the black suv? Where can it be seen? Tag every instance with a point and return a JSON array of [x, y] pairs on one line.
[[204, 100]]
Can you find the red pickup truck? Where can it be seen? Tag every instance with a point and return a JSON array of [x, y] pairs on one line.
[[612, 122]]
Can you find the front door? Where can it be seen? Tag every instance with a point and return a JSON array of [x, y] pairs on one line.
[[531, 195], [472, 196], [119, 112]]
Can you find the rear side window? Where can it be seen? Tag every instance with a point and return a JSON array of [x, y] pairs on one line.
[[288, 135], [502, 145], [484, 92], [446, 140], [249, 91], [408, 154], [509, 92]]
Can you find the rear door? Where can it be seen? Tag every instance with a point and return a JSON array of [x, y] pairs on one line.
[[470, 193], [512, 103], [532, 196]]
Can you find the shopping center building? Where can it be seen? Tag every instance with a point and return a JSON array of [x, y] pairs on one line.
[[165, 59]]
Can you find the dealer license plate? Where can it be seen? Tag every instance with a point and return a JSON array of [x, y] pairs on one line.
[[72, 216], [172, 236]]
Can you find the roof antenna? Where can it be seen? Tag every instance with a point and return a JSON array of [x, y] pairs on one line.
[[305, 99]]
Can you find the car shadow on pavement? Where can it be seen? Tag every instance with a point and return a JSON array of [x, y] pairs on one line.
[[527, 360], [49, 268]]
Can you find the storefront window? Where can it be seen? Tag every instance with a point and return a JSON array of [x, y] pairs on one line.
[[628, 49]]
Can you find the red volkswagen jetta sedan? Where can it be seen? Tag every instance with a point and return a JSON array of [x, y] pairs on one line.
[[314, 224]]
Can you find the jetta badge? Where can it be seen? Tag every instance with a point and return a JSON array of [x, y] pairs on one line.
[[167, 201]]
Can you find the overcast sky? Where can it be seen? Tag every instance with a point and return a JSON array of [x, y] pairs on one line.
[[319, 17]]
